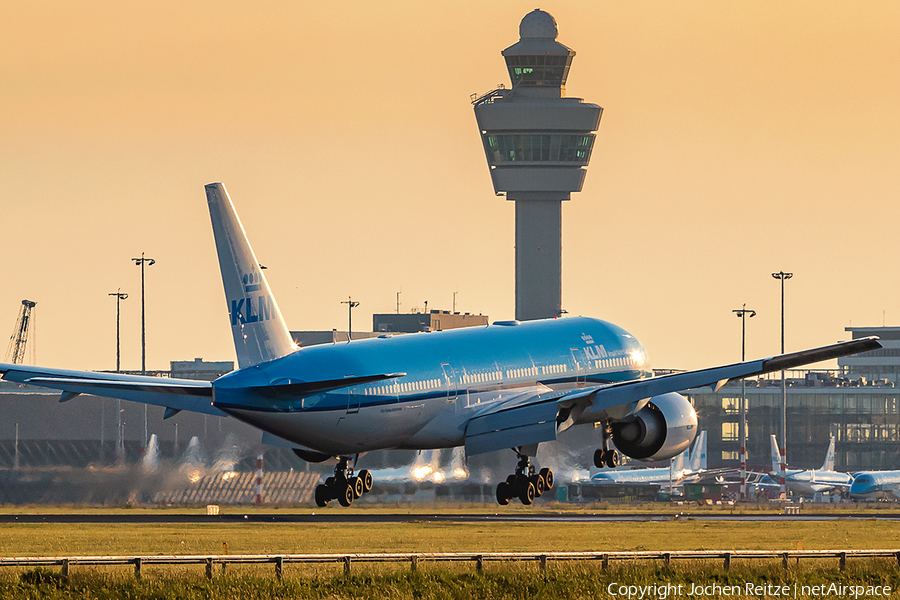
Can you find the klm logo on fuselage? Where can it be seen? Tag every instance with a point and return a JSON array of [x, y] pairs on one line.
[[252, 310], [595, 352]]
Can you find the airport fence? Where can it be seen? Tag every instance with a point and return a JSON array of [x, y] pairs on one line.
[[414, 559]]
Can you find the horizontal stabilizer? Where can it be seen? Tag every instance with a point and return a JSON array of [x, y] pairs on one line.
[[177, 394], [308, 388], [101, 384]]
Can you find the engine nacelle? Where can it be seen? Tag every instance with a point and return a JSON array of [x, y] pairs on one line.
[[664, 428]]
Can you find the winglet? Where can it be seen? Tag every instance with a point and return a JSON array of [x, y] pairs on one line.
[[260, 333], [776, 455]]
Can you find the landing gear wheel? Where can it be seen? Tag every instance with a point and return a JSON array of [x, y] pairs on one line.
[[606, 458], [547, 474], [346, 495], [612, 459], [322, 496], [367, 480], [358, 487], [538, 482], [504, 493], [526, 494]]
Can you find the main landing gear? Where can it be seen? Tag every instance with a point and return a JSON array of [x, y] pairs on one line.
[[525, 484], [606, 457], [343, 487]]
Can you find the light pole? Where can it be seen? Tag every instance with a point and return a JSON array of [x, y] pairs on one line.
[[119, 297], [351, 304], [120, 435], [149, 262], [742, 435], [783, 276]]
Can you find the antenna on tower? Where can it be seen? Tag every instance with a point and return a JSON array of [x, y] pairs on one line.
[[15, 352]]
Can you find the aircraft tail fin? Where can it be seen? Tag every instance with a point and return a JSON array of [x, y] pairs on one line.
[[260, 333], [698, 457], [676, 466], [776, 456], [828, 465]]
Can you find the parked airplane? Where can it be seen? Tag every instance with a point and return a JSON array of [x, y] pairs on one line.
[[811, 481], [684, 465], [508, 385], [875, 484]]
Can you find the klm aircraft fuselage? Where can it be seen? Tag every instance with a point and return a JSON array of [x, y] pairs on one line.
[[510, 385], [450, 377]]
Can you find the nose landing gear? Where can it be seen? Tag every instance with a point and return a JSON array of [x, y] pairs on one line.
[[525, 484], [344, 486]]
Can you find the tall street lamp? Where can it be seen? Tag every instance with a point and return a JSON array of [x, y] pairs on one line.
[[120, 434], [351, 304], [743, 313], [149, 262], [783, 277], [119, 297]]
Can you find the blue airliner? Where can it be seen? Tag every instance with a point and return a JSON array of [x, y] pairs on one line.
[[883, 485], [509, 385]]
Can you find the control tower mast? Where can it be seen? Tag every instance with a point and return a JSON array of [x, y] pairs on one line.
[[538, 143]]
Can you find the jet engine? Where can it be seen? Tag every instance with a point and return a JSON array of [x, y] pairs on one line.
[[664, 428]]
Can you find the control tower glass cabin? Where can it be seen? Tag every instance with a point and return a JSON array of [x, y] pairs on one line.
[[538, 144]]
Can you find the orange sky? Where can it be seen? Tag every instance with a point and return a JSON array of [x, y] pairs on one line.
[[737, 139]]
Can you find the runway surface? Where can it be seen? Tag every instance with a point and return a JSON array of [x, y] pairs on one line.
[[165, 517]]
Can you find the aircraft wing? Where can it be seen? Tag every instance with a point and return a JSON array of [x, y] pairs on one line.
[[717, 377], [529, 417], [174, 394], [537, 416]]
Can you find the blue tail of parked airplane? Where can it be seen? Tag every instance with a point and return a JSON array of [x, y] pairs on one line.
[[828, 465]]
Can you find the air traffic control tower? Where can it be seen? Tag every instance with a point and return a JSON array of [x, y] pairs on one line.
[[538, 143]]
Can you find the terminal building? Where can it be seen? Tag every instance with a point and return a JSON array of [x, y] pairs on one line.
[[858, 403], [390, 323]]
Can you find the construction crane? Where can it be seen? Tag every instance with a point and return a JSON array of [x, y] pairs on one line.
[[16, 350]]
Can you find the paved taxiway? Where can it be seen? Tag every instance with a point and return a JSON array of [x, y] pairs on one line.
[[336, 517]]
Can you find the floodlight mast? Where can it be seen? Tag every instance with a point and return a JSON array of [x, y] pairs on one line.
[[743, 313], [783, 491]]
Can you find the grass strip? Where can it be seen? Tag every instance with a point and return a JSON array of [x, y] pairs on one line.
[[565, 581]]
